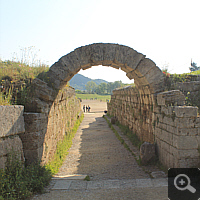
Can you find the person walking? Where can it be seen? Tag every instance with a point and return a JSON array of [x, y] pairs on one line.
[[84, 108], [88, 108]]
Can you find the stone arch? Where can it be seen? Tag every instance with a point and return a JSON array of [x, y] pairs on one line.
[[143, 70], [49, 93]]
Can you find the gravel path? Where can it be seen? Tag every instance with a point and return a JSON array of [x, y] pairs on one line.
[[98, 153]]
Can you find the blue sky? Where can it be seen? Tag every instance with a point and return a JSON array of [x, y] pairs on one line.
[[165, 31]]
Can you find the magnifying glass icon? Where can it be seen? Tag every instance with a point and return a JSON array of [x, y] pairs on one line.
[[182, 182]]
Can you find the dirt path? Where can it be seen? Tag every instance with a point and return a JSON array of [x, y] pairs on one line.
[[97, 152]]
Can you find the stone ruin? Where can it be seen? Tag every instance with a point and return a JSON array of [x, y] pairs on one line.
[[156, 116]]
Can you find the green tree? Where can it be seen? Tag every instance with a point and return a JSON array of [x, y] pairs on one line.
[[91, 87], [102, 88], [117, 84]]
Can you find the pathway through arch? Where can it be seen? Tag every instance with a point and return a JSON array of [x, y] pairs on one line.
[[113, 170]]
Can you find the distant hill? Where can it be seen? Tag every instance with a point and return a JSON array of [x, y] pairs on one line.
[[79, 81]]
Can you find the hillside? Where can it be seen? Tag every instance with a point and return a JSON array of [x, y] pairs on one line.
[[79, 81]]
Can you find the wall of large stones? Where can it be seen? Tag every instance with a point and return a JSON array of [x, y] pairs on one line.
[[11, 125], [191, 90], [177, 131], [134, 108], [173, 127], [44, 130]]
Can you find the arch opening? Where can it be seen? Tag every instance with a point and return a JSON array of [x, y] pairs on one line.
[[134, 64], [50, 96]]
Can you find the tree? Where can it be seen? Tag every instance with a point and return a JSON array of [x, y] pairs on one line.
[[118, 84], [78, 91], [102, 88], [194, 67], [91, 87]]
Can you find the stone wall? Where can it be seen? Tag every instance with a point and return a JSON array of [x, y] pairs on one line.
[[177, 131], [163, 120], [11, 125], [43, 130], [191, 90], [134, 108]]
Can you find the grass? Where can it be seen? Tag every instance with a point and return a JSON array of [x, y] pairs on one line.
[[94, 96], [87, 178], [15, 71], [63, 147], [15, 77]]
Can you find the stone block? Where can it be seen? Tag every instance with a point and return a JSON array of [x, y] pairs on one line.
[[184, 122], [167, 110], [34, 121], [84, 54], [166, 137], [147, 152], [11, 120], [187, 154], [145, 66], [198, 140], [185, 142], [31, 156], [173, 97], [172, 161], [133, 59], [8, 146], [185, 111], [42, 90], [169, 120], [187, 131], [172, 129], [71, 62], [165, 146], [189, 163]]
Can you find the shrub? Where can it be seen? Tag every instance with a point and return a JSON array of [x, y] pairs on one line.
[[15, 79], [19, 182]]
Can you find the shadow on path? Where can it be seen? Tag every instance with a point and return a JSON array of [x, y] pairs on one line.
[[102, 156]]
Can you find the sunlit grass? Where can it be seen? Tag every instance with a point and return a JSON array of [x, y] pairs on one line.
[[63, 147], [94, 96]]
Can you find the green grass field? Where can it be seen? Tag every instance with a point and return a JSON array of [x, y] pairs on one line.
[[94, 96]]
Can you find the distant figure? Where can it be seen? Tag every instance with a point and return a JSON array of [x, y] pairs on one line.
[[84, 108], [88, 108]]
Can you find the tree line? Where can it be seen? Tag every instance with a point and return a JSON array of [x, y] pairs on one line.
[[103, 88]]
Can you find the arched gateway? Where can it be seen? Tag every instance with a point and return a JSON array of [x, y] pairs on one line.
[[137, 67], [53, 107]]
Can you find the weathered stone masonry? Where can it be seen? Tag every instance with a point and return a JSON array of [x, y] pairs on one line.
[[166, 122], [177, 131], [34, 136], [153, 115], [11, 125], [44, 130], [134, 110], [46, 89]]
